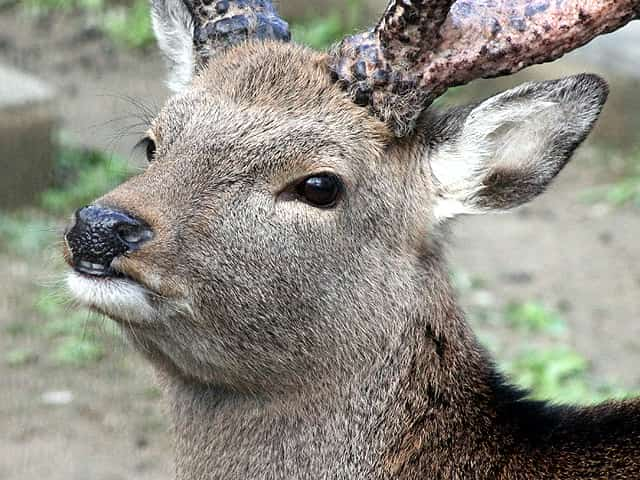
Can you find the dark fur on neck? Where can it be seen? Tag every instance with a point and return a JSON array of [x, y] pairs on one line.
[[433, 407]]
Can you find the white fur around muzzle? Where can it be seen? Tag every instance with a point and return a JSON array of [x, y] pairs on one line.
[[119, 298]]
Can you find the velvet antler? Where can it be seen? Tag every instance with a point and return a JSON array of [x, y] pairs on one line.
[[219, 24], [421, 48]]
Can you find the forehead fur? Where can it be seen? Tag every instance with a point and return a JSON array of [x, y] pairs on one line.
[[281, 76], [267, 90]]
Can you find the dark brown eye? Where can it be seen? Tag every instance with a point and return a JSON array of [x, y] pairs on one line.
[[147, 144], [320, 190], [150, 148]]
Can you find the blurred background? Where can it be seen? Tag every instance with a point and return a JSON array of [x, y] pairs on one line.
[[552, 288]]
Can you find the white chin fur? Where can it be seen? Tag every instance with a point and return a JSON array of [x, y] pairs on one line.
[[118, 298]]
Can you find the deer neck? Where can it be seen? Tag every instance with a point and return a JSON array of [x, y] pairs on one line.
[[360, 427], [432, 406]]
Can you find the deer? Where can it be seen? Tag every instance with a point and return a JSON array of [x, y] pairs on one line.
[[281, 261]]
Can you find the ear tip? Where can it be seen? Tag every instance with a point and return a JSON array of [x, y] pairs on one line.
[[596, 84], [589, 89]]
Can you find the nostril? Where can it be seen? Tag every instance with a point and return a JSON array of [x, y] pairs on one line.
[[133, 234]]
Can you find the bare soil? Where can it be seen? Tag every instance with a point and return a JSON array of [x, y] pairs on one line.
[[580, 257]]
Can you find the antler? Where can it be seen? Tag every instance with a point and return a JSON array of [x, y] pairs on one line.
[[220, 24], [420, 48]]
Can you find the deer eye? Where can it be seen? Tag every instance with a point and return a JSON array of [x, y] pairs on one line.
[[148, 144], [150, 149], [320, 190]]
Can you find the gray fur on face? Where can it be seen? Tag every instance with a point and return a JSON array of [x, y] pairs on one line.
[[299, 342], [259, 309]]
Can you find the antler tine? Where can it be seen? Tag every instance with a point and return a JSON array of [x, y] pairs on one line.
[[376, 66], [411, 27], [491, 41], [417, 51]]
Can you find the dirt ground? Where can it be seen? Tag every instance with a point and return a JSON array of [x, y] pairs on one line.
[[108, 422]]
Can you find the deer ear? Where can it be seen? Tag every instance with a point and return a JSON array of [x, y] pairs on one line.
[[174, 27], [508, 149]]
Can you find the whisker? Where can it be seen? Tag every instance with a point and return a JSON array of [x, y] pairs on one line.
[[139, 116]]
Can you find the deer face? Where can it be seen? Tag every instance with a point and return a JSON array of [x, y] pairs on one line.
[[269, 207], [280, 233]]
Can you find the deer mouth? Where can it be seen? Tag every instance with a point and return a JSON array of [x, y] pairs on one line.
[[111, 292], [97, 270], [100, 272]]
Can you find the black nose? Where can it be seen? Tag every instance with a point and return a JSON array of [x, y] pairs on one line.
[[101, 234]]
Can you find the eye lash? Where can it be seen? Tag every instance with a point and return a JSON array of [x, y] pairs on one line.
[[142, 143]]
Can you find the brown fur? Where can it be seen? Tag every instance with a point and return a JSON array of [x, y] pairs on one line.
[[297, 342]]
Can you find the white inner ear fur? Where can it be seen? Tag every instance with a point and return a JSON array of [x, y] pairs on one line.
[[173, 27], [508, 135]]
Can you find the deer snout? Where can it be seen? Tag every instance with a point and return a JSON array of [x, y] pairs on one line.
[[99, 234]]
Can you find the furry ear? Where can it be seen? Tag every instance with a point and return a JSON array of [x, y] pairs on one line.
[[174, 28], [507, 150]]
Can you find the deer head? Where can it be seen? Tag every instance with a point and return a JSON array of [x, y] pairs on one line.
[[283, 232]]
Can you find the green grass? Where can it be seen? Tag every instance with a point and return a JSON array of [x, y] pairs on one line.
[[534, 317], [130, 26], [625, 190], [545, 363], [25, 233], [45, 6], [127, 24], [542, 359], [76, 338], [560, 374], [19, 357], [322, 32], [78, 352], [617, 194], [81, 176]]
